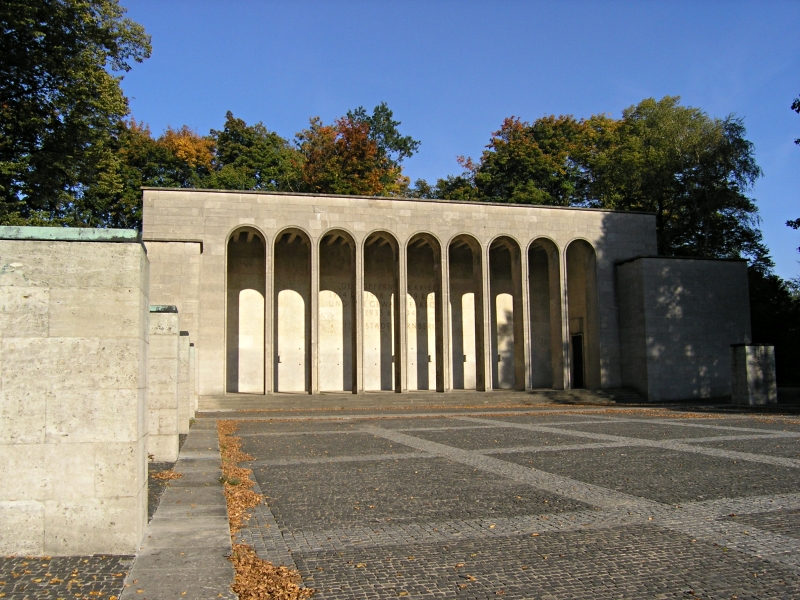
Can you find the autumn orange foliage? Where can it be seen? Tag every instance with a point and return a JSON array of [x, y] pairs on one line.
[[193, 149]]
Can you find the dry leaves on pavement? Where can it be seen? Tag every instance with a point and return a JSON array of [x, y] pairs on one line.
[[256, 579]]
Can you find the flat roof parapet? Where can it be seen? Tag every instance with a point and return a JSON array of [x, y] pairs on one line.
[[68, 234], [397, 198]]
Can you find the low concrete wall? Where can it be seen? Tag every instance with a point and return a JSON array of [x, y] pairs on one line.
[[678, 319], [73, 377], [162, 385], [753, 374]]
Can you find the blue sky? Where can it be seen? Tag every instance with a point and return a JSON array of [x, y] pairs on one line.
[[451, 71]]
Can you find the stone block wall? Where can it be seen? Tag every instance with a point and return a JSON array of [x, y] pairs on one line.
[[678, 319], [73, 377], [162, 386], [188, 234]]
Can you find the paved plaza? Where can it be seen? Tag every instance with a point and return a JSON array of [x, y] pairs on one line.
[[592, 503]]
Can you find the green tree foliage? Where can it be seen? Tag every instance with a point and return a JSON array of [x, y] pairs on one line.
[[359, 154], [250, 157], [61, 107], [775, 319], [693, 171], [795, 224]]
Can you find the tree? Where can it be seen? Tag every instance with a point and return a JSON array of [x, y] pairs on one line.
[[538, 163], [795, 224], [250, 157], [693, 171], [61, 106], [383, 131], [359, 154]]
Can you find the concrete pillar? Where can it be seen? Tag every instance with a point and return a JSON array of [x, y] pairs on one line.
[[192, 380], [566, 360], [401, 322], [269, 320], [526, 320], [162, 384], [753, 374], [521, 372], [358, 320], [557, 299], [485, 329], [184, 392], [444, 351], [313, 252]]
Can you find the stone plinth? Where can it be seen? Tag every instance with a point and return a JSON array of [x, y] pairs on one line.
[[162, 384], [678, 318], [184, 391], [753, 374], [73, 376], [192, 381]]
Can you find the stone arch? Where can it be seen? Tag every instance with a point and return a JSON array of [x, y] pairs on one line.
[[424, 323], [292, 310], [583, 315], [507, 320], [381, 306], [337, 316], [245, 310], [465, 260], [544, 300]]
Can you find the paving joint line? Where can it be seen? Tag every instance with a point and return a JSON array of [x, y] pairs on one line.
[[664, 444], [776, 548]]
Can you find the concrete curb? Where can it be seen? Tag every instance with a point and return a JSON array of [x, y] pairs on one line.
[[185, 550]]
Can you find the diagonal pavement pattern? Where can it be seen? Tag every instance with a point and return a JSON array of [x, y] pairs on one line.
[[531, 504]]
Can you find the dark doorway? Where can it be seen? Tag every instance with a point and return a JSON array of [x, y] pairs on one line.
[[577, 361]]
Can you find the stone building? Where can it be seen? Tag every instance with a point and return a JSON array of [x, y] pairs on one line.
[[316, 293], [107, 338]]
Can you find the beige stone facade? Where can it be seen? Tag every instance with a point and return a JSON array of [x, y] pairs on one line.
[[73, 377], [300, 293]]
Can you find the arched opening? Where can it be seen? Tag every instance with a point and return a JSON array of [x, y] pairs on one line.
[[337, 318], [584, 343], [246, 288], [547, 356], [466, 313], [424, 329], [381, 339], [508, 352], [292, 316]]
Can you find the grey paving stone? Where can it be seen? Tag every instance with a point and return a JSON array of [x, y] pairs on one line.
[[784, 447], [625, 510], [663, 475], [432, 489]]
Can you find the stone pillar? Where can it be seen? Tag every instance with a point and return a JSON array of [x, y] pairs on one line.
[[184, 391], [519, 262], [444, 352], [753, 374], [73, 399], [566, 361], [269, 320], [357, 317], [526, 317], [485, 376], [192, 381], [401, 321], [313, 257], [162, 384]]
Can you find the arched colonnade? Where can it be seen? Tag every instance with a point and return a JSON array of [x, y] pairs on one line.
[[493, 316]]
